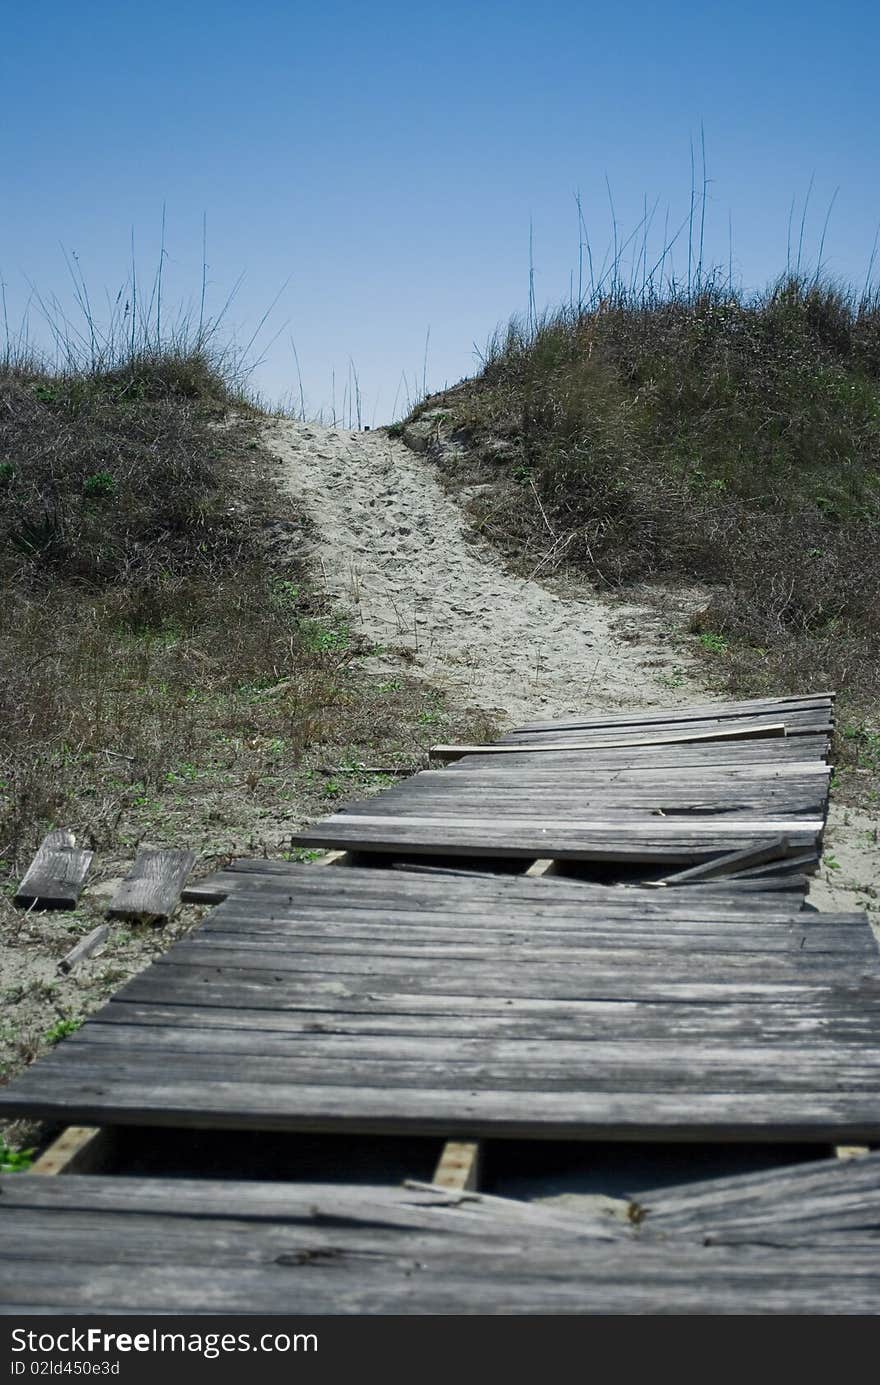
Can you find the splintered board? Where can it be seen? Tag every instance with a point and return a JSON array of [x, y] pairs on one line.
[[829, 1202], [477, 1007], [151, 1245]]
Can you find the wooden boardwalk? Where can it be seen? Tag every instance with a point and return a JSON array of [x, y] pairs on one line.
[[482, 1005], [801, 1240], [663, 980]]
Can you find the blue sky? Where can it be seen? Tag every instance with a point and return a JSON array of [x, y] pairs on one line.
[[387, 159]]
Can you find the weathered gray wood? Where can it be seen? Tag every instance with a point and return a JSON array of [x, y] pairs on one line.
[[783, 706], [819, 1116], [54, 878], [806, 862], [517, 1019], [508, 1058], [375, 887], [495, 937], [805, 749], [632, 966], [757, 731], [798, 721], [84, 948], [153, 887], [609, 807], [628, 1073], [731, 862], [134, 1245], [790, 1205]]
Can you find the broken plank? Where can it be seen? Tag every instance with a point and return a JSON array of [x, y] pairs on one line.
[[152, 888], [732, 862], [761, 732], [55, 876], [78, 1149]]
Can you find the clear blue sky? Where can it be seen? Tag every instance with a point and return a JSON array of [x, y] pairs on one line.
[[388, 157]]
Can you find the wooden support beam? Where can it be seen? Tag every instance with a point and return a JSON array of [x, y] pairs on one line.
[[544, 866], [78, 1149], [55, 876], [458, 1168]]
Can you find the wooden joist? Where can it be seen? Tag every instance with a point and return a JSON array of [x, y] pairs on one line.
[[55, 876], [84, 948], [782, 707], [545, 901], [728, 864], [799, 1239], [815, 1204]]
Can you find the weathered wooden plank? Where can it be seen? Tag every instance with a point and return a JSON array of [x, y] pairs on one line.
[[806, 862], [743, 768], [783, 706], [524, 804], [647, 827], [624, 972], [182, 1245], [87, 1068], [852, 949], [55, 877], [784, 1205], [768, 1058], [537, 1021], [798, 721], [152, 888], [698, 931], [758, 731], [758, 855], [818, 1116]]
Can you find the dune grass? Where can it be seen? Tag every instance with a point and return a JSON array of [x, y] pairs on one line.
[[712, 437], [168, 669]]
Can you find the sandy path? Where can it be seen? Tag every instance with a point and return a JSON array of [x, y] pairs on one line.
[[396, 549]]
